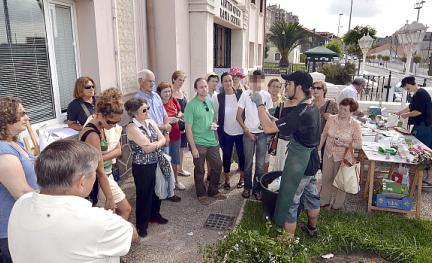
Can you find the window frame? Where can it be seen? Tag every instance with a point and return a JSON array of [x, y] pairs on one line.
[[48, 5]]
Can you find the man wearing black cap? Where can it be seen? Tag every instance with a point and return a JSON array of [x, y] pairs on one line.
[[298, 183], [419, 112]]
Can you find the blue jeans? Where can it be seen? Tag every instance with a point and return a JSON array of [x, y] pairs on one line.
[[259, 149], [423, 133], [227, 145]]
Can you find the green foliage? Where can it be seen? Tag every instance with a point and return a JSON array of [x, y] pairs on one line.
[[386, 58], [286, 36], [338, 74], [395, 238], [352, 37], [336, 46], [403, 59], [417, 59], [302, 58], [379, 57]]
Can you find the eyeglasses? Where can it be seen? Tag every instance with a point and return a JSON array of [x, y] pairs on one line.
[[316, 87], [145, 110], [112, 122], [89, 87], [205, 105]]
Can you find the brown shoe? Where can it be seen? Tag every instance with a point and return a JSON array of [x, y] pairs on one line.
[[204, 200], [219, 196]]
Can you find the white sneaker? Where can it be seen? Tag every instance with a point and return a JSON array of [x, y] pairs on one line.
[[179, 186]]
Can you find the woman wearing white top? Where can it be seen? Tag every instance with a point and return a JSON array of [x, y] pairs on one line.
[[229, 130]]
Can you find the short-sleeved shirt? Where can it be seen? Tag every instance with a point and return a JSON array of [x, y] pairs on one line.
[[347, 92], [157, 111], [66, 228], [303, 123], [252, 121], [173, 108], [329, 106], [76, 113], [200, 114], [421, 101], [6, 199]]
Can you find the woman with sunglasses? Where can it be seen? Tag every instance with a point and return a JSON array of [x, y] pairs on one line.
[[326, 106], [109, 110], [17, 175], [83, 105], [146, 141]]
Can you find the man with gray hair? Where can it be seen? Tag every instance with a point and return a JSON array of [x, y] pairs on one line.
[[58, 224], [147, 83], [352, 90]]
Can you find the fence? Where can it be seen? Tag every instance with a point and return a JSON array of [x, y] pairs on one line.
[[274, 68]]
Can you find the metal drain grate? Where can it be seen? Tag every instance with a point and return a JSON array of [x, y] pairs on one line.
[[219, 222]]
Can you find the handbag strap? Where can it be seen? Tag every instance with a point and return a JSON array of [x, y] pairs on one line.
[[345, 161], [327, 105], [86, 111]]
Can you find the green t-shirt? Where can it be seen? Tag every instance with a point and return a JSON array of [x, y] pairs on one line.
[[201, 114]]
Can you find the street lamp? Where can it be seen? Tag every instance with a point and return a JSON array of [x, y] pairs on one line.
[[339, 24], [365, 44], [409, 37], [418, 6]]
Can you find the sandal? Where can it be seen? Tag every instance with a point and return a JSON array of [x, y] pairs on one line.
[[257, 196], [246, 194], [227, 186], [240, 184]]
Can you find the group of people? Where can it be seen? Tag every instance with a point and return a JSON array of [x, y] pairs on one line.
[[43, 202]]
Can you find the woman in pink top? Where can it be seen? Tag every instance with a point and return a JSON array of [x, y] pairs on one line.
[[340, 133]]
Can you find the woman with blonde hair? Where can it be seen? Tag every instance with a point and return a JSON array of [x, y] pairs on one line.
[[109, 110], [83, 105], [178, 78], [17, 175]]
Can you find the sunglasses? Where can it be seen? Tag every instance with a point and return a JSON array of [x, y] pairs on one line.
[[145, 110], [89, 87], [205, 105], [316, 87], [112, 122], [22, 114]]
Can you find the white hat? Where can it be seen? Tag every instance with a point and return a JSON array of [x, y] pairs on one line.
[[317, 76]]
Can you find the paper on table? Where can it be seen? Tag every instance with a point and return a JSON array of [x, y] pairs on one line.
[[63, 133]]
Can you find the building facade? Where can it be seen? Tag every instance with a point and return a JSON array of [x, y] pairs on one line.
[[46, 45], [275, 13]]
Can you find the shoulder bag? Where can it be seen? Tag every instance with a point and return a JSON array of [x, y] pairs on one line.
[[348, 176]]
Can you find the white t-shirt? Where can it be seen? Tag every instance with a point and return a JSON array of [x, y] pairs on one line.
[[231, 125], [251, 112], [347, 92], [47, 228]]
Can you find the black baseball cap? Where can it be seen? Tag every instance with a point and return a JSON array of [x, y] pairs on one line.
[[300, 78], [408, 80]]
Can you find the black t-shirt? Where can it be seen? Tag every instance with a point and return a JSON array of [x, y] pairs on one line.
[[76, 113], [421, 101], [301, 122]]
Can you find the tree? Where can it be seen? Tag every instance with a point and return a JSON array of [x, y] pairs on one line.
[[336, 46], [379, 57], [416, 60], [286, 36], [386, 59], [352, 37]]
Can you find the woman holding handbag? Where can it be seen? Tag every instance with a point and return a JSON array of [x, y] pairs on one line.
[[145, 140], [341, 135]]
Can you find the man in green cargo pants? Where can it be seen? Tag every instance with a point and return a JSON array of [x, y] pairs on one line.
[[298, 183]]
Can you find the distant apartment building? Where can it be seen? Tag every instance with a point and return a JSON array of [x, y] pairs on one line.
[[45, 45], [275, 13]]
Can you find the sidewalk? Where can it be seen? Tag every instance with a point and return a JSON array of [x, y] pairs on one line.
[[181, 239]]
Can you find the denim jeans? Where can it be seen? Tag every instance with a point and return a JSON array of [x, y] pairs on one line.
[[259, 149], [227, 145]]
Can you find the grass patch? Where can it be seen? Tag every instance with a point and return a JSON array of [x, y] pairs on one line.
[[392, 237]]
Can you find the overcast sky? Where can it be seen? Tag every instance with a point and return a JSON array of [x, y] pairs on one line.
[[386, 16]]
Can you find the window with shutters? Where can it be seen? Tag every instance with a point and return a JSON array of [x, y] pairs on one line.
[[24, 61], [221, 46]]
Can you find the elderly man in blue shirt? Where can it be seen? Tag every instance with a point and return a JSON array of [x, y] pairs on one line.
[[146, 80]]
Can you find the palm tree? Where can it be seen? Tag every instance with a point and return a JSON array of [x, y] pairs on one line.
[[286, 36]]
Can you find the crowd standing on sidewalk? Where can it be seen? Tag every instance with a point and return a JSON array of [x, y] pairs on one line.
[[65, 206]]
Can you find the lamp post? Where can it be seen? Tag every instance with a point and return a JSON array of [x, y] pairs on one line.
[[365, 44], [409, 37], [418, 6], [339, 24]]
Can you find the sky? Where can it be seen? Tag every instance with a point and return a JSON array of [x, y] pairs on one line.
[[386, 16]]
